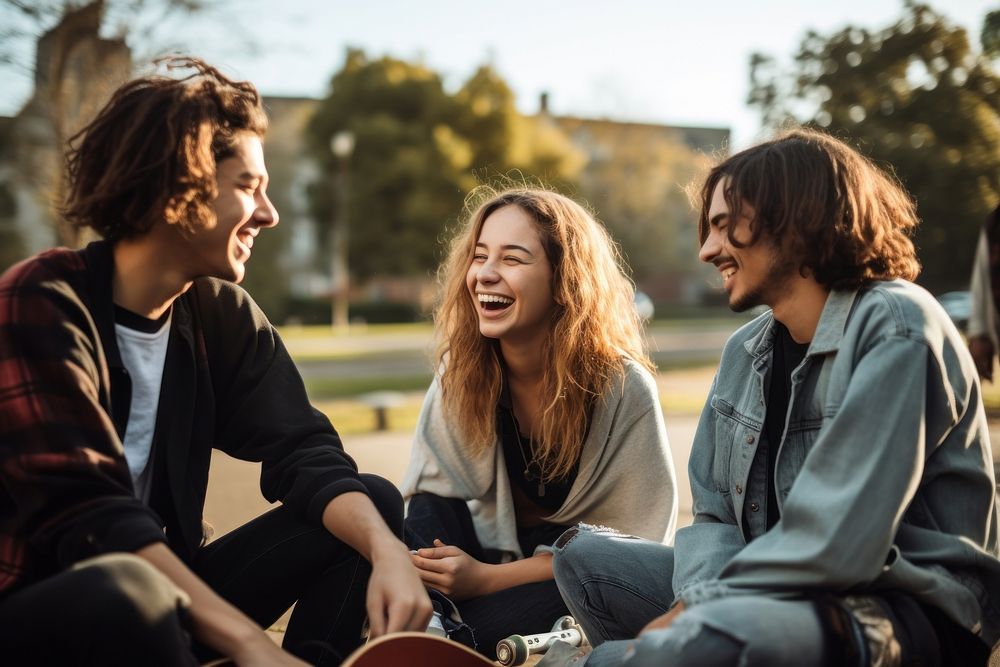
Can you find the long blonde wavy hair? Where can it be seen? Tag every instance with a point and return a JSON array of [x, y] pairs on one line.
[[593, 324]]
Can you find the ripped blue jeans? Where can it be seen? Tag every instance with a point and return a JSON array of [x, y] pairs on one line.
[[615, 584]]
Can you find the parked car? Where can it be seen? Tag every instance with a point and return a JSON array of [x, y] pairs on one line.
[[958, 305]]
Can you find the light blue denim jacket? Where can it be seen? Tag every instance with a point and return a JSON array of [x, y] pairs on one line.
[[884, 476]]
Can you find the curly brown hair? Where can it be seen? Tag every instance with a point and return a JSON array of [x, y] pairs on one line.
[[593, 327], [151, 152], [845, 220]]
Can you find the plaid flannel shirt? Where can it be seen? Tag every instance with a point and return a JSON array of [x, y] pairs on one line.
[[65, 490]]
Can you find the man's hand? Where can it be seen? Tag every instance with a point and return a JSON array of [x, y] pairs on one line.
[[981, 349], [663, 622], [451, 571], [396, 598]]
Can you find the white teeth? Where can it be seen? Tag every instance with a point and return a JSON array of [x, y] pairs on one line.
[[494, 298], [728, 273]]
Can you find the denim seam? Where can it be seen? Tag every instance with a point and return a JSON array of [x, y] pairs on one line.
[[621, 585]]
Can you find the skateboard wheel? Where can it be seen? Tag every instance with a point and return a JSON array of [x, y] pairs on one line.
[[512, 651], [564, 623]]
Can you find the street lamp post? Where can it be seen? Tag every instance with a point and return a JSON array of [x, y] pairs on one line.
[[342, 146]]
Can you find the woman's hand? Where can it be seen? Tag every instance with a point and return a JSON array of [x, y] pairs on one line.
[[451, 571]]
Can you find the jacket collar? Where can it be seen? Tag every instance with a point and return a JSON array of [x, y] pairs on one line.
[[829, 330], [833, 321], [100, 260]]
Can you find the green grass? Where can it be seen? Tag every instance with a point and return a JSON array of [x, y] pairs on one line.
[[353, 417], [991, 397], [322, 331], [326, 354], [344, 387]]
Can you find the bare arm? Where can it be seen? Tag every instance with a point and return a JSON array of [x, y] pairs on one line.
[[217, 623], [396, 598]]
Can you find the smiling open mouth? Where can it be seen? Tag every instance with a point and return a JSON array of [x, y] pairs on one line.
[[494, 302]]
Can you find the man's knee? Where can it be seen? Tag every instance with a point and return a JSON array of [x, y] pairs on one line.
[[387, 500], [131, 589], [747, 631], [691, 643], [577, 551]]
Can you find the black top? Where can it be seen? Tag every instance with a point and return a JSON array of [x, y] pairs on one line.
[[518, 452], [786, 357], [137, 322]]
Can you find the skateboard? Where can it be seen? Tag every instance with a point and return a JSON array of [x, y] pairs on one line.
[[415, 649], [515, 649]]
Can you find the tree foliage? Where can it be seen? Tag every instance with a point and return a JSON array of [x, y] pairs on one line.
[[638, 192], [418, 151], [75, 68], [919, 100]]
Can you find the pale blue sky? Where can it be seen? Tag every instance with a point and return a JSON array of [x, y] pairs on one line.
[[657, 61]]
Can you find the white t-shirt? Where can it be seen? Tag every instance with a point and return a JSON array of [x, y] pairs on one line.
[[143, 352]]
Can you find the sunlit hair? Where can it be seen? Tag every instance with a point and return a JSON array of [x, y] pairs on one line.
[[845, 220], [151, 153], [593, 324]]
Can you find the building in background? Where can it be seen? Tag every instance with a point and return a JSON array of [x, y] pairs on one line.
[[635, 178]]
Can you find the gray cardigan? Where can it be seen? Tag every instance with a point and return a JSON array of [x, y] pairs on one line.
[[626, 477]]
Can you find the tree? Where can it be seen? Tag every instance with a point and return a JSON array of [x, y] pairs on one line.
[[638, 192], [419, 150], [918, 100], [406, 171], [75, 70], [505, 143]]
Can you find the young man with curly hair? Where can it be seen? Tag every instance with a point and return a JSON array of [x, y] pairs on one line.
[[122, 365], [844, 508]]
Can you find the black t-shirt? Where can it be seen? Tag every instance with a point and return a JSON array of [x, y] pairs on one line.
[[786, 357], [518, 451]]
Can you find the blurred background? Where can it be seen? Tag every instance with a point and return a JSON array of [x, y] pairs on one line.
[[385, 114]]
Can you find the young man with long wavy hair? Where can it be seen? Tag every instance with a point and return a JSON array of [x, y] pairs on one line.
[[844, 508], [122, 365]]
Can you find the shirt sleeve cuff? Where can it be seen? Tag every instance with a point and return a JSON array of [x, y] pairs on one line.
[[322, 498]]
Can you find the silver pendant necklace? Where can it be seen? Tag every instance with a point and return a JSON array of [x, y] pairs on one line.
[[524, 458]]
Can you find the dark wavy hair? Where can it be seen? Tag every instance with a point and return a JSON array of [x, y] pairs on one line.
[[151, 152], [845, 220]]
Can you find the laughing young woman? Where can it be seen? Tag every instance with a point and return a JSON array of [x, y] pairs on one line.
[[544, 413]]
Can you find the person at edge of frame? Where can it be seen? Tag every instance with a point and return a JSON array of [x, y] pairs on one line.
[[122, 365], [984, 288], [544, 413], [841, 472]]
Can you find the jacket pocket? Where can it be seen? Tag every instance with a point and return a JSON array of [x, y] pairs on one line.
[[727, 423]]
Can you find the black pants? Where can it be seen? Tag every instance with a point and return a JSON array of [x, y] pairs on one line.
[[119, 610], [524, 609]]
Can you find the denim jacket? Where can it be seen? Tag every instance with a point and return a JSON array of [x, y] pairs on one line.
[[884, 475]]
